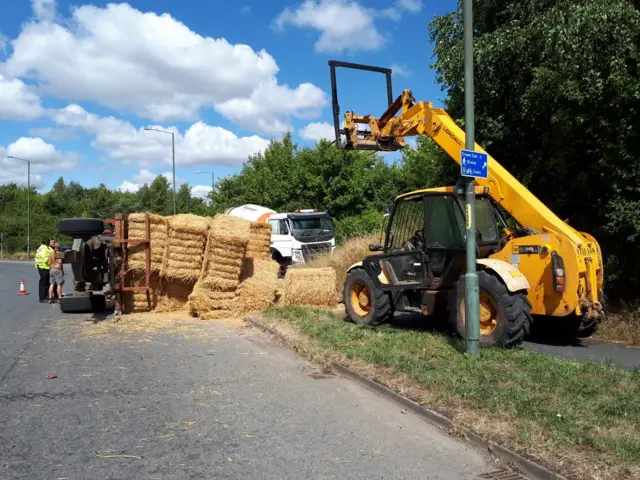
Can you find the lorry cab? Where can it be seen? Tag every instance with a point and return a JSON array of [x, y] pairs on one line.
[[299, 236]]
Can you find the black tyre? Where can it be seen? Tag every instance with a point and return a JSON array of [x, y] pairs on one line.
[[505, 317], [365, 304], [83, 304], [81, 227]]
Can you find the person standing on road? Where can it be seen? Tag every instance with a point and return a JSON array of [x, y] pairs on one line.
[[43, 255], [56, 274], [52, 243]]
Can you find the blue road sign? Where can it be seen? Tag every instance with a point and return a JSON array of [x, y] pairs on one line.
[[474, 164]]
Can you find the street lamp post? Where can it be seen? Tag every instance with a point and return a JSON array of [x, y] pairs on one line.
[[28, 203], [173, 160], [212, 180], [472, 302]]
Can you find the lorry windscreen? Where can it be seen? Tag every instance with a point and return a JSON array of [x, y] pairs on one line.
[[312, 226]]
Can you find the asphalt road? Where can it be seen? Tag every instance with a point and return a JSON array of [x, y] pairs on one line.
[[195, 400]]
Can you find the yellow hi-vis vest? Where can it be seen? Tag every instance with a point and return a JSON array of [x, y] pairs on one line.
[[42, 257]]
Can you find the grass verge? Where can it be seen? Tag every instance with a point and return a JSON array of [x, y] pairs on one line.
[[579, 419], [15, 256]]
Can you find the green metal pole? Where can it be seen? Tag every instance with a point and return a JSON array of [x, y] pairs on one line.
[[472, 296]]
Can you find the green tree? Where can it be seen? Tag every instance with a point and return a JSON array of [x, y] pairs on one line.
[[558, 104]]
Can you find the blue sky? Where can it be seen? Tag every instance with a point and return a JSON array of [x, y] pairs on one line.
[[80, 81]]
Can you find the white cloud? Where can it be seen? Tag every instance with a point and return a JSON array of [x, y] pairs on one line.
[[44, 10], [344, 25], [145, 63], [45, 160], [201, 191], [399, 71], [200, 143], [413, 6], [318, 130], [269, 109], [17, 102], [54, 134]]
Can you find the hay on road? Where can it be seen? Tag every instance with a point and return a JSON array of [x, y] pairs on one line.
[[136, 256], [315, 287], [186, 243]]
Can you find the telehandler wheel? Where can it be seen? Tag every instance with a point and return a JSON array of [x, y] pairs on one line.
[[365, 304], [505, 317]]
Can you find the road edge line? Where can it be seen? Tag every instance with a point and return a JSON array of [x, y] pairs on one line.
[[529, 466]]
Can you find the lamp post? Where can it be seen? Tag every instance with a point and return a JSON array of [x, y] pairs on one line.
[[173, 160], [212, 181], [28, 202], [472, 301]]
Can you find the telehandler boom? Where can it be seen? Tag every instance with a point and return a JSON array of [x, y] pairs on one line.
[[564, 267]]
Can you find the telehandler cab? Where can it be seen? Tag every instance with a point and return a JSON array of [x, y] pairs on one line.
[[543, 267]]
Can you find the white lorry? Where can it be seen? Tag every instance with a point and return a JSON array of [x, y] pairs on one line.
[[295, 237]]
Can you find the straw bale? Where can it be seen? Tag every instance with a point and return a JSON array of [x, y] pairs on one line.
[[137, 301], [259, 246], [173, 296], [258, 288], [136, 256], [202, 301], [314, 287], [185, 247], [234, 228]]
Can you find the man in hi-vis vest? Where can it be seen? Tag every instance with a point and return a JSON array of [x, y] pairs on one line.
[[42, 264]]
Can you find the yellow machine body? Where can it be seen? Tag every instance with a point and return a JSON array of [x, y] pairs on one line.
[[531, 254]]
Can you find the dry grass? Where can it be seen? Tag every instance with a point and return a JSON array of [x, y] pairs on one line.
[[136, 259], [621, 326], [351, 251], [17, 256], [186, 243], [311, 287]]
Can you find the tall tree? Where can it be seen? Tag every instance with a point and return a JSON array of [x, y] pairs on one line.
[[558, 104]]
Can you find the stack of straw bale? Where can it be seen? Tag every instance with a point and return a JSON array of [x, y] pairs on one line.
[[137, 301], [259, 246], [257, 291], [214, 294], [315, 287], [185, 248], [136, 256]]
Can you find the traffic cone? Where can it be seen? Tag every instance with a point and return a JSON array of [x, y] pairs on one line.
[[23, 291]]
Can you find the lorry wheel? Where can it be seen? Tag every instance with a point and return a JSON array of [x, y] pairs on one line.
[[505, 317], [365, 304], [83, 304], [81, 227]]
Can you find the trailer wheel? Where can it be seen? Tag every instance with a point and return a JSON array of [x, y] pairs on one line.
[[505, 317], [365, 304], [81, 227], [83, 304]]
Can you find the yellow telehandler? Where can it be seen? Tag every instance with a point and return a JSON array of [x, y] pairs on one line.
[[542, 267]]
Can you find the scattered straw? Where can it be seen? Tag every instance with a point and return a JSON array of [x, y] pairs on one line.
[[310, 286]]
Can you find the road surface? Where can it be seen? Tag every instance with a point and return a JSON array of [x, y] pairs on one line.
[[199, 400]]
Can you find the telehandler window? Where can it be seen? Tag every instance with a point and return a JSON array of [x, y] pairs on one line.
[[408, 218]]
